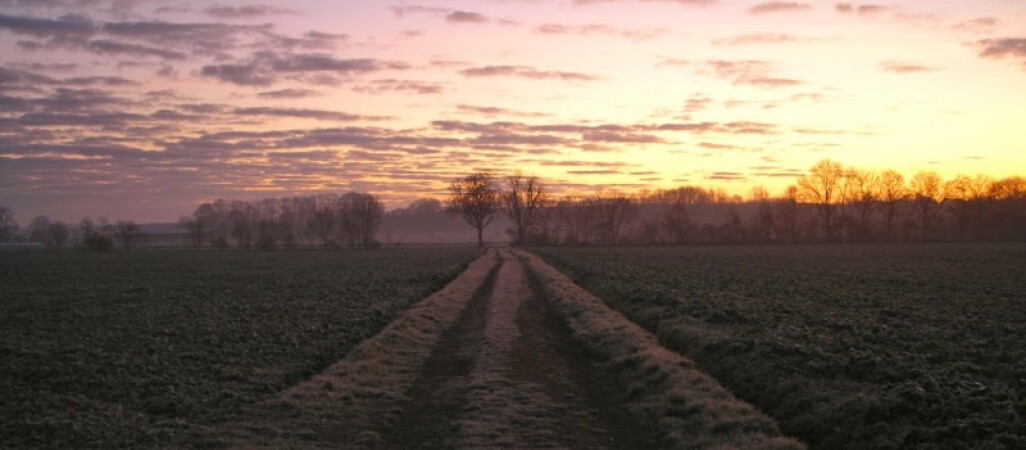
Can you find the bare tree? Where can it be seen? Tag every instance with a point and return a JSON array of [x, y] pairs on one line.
[[522, 202], [968, 201], [476, 198], [127, 233], [425, 206], [266, 234], [892, 192], [287, 227], [926, 194], [763, 223], [864, 192], [614, 213], [564, 228], [59, 233], [194, 228], [787, 211], [677, 222], [39, 230], [241, 222], [547, 226], [8, 226], [322, 225], [94, 237], [1011, 188], [360, 217], [1009, 215], [203, 219], [730, 231], [822, 186]]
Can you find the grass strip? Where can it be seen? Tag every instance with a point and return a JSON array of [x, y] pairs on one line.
[[690, 409], [351, 402]]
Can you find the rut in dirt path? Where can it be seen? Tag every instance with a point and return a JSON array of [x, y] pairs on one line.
[[507, 374]]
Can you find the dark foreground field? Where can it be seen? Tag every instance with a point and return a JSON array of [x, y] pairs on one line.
[[157, 348], [846, 346]]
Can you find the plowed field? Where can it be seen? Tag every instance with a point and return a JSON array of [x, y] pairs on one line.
[[157, 348], [847, 347]]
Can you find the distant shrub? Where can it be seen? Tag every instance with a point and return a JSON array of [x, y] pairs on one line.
[[98, 243], [267, 244], [290, 242], [220, 243]]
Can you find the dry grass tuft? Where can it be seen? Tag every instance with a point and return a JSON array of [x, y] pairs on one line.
[[690, 409]]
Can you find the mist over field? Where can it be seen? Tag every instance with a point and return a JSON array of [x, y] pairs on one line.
[[609, 224]]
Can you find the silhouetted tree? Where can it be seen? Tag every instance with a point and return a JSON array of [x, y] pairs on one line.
[[287, 232], [94, 236], [863, 191], [614, 212], [425, 206], [128, 233], [322, 225], [731, 231], [266, 235], [926, 193], [476, 198], [646, 233], [787, 212], [194, 228], [86, 226], [39, 231], [8, 226], [892, 192], [677, 223], [59, 233], [1009, 215], [220, 243], [241, 220], [360, 215], [572, 219], [522, 200], [823, 187], [968, 201], [763, 224]]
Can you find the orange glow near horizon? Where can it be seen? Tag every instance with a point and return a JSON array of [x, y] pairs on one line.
[[142, 110]]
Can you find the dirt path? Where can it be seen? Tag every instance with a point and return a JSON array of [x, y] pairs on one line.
[[510, 354], [507, 374]]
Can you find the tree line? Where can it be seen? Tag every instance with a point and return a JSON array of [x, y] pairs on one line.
[[98, 235], [830, 203], [330, 221]]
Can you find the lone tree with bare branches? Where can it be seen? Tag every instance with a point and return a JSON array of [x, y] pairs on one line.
[[359, 216], [522, 203], [925, 189], [892, 192], [822, 186], [8, 226], [476, 198], [128, 233]]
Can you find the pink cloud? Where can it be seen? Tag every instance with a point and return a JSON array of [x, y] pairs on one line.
[[862, 10], [904, 67], [776, 7]]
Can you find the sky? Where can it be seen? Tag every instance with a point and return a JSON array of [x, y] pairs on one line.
[[142, 109]]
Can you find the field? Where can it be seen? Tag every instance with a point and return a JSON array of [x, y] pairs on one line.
[[157, 348], [847, 347]]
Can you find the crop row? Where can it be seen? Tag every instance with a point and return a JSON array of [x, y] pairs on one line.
[[155, 348], [847, 347]]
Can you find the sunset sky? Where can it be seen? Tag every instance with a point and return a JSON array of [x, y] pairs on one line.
[[141, 109]]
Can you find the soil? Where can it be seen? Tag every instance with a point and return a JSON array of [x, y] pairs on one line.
[[508, 374]]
